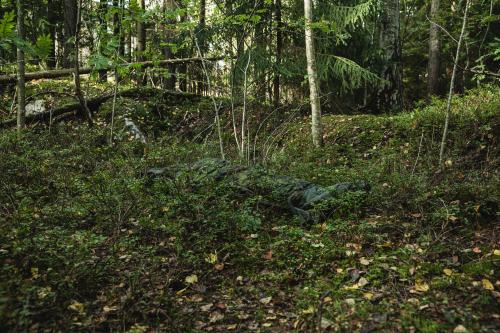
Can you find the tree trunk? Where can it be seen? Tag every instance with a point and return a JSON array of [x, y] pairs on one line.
[[103, 10], [52, 20], [8, 78], [200, 87], [316, 129], [389, 95], [279, 51], [141, 42], [70, 18], [170, 82], [452, 83], [434, 51], [78, 88], [21, 87]]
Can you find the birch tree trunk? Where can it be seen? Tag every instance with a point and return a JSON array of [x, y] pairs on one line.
[[434, 51], [21, 86], [78, 87], [316, 128], [452, 84]]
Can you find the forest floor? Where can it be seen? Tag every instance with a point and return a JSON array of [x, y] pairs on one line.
[[89, 243]]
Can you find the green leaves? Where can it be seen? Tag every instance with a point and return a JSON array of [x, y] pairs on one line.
[[7, 26], [43, 46], [349, 72]]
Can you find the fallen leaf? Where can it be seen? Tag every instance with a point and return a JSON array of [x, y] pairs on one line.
[[420, 286], [363, 261], [268, 255], [231, 327], [77, 306], [211, 258], [327, 299], [191, 279], [487, 284], [351, 287], [325, 323], [350, 301], [362, 282], [215, 316], [108, 309], [460, 329], [219, 267], [221, 306], [496, 252], [447, 271], [266, 300], [368, 296], [476, 250], [206, 307]]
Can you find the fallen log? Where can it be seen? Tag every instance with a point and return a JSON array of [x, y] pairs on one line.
[[93, 104], [53, 74], [308, 201]]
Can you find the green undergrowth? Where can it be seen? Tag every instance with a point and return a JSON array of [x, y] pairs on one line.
[[88, 242]]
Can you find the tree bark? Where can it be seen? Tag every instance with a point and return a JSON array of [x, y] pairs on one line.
[[316, 129], [8, 78], [434, 51], [452, 83], [202, 19], [170, 82], [389, 95], [103, 10], [141, 42], [94, 104], [78, 88], [21, 86], [279, 51], [70, 18], [52, 20]]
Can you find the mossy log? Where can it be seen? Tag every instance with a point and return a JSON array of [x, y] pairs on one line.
[[94, 104]]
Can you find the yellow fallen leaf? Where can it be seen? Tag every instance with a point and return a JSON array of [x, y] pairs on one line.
[[211, 258], [496, 252], [309, 310], [487, 284], [191, 279], [421, 286], [368, 296], [77, 306], [447, 271], [352, 287], [327, 299]]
